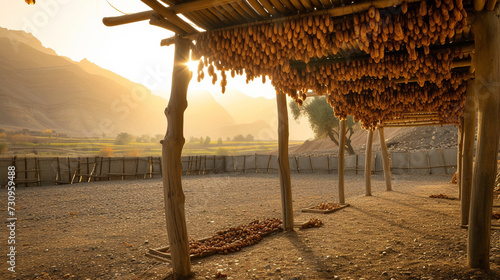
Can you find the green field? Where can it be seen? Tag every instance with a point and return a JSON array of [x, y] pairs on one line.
[[56, 146]]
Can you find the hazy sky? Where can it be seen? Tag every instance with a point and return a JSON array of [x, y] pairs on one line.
[[74, 28]]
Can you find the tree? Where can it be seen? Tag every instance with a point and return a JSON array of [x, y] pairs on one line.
[[123, 138], [249, 138], [219, 141], [207, 141], [239, 138], [323, 121]]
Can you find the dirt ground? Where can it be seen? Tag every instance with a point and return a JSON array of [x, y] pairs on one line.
[[102, 230]]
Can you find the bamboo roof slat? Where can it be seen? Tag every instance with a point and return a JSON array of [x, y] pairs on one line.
[[326, 3], [249, 10], [289, 6], [280, 7], [269, 7], [208, 14], [198, 5], [298, 5], [208, 21], [242, 12], [225, 19], [200, 20], [158, 20], [307, 4], [316, 4], [233, 13], [258, 8], [170, 15]]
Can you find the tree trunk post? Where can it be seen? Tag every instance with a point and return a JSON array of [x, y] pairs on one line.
[[385, 159], [469, 131], [342, 131], [460, 158], [486, 27], [172, 165], [284, 164], [368, 163]]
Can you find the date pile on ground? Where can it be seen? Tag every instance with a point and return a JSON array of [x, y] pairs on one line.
[[235, 238]]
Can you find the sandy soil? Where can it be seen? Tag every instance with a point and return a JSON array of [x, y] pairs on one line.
[[102, 230]]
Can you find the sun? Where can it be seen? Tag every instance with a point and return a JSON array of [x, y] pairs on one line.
[[193, 65]]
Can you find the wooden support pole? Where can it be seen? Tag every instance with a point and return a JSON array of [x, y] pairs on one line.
[[385, 159], [486, 29], [170, 16], [172, 164], [460, 146], [368, 163], [342, 131], [284, 164], [125, 19], [469, 132]]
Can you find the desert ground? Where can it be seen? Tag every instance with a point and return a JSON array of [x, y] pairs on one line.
[[102, 230]]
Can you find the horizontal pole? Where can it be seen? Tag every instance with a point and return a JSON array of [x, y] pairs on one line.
[[198, 5], [125, 19], [413, 124]]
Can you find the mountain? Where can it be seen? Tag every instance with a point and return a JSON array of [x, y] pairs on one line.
[[41, 90], [252, 111]]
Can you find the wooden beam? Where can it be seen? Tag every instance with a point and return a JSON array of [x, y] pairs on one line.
[[413, 124], [368, 163], [119, 20], [172, 164], [487, 59], [199, 5], [170, 16], [283, 163], [342, 132], [459, 156], [385, 159], [158, 20], [469, 130]]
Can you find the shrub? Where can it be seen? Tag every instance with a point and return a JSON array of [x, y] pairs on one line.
[[106, 152], [133, 153], [221, 152], [3, 147], [123, 138]]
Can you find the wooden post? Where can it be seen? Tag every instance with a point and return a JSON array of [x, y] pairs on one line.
[[284, 164], [486, 27], [467, 156], [342, 131], [460, 146], [385, 159], [172, 165], [368, 163]]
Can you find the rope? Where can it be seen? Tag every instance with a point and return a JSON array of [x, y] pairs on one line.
[[116, 8]]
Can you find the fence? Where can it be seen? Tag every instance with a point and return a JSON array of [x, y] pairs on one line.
[[56, 170]]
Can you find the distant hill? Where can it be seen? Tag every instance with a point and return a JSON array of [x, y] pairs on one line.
[[41, 90]]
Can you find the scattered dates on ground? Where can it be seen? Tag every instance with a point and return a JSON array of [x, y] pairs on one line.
[[327, 206], [312, 223], [388, 47], [441, 195]]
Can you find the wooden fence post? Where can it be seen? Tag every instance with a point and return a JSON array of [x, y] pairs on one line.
[[172, 164], [486, 28]]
